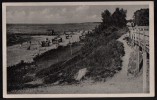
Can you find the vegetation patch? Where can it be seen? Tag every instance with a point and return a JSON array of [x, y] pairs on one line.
[[23, 72], [101, 57], [18, 75], [13, 39]]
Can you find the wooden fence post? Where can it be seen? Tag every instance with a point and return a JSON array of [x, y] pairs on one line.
[[138, 49], [145, 85], [138, 58]]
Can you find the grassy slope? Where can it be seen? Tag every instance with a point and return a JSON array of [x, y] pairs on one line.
[[13, 39], [101, 55], [22, 73]]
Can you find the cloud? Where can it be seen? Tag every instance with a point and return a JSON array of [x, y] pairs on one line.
[[51, 15], [82, 8], [94, 16], [64, 10], [45, 11], [61, 14], [48, 14], [14, 16], [16, 13]]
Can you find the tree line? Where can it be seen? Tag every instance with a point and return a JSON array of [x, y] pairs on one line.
[[117, 19], [141, 17]]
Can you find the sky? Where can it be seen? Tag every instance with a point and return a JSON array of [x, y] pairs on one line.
[[63, 14]]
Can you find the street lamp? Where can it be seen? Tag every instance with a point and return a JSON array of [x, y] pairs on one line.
[[70, 45]]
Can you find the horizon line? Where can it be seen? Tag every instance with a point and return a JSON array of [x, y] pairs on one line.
[[55, 23]]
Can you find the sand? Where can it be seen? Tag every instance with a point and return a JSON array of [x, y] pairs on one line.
[[18, 52]]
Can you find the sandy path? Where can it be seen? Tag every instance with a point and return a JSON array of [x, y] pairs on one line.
[[120, 83]]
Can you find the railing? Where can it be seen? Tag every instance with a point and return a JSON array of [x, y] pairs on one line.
[[140, 36]]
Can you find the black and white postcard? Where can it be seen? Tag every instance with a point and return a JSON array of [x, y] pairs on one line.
[[78, 49]]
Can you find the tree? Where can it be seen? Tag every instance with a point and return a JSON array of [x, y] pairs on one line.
[[106, 18], [119, 17], [141, 17], [123, 17]]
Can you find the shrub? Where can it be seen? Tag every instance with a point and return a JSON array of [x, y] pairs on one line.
[[17, 74], [13, 39]]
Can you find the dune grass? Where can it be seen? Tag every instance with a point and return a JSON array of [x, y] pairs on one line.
[[100, 54]]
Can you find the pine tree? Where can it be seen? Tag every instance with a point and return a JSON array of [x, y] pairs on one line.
[[106, 18]]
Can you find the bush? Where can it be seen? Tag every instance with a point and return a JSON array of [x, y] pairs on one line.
[[17, 74], [13, 39], [105, 60]]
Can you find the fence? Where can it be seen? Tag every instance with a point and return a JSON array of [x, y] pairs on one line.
[[139, 36]]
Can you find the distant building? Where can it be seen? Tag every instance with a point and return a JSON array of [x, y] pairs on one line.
[[130, 24]]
